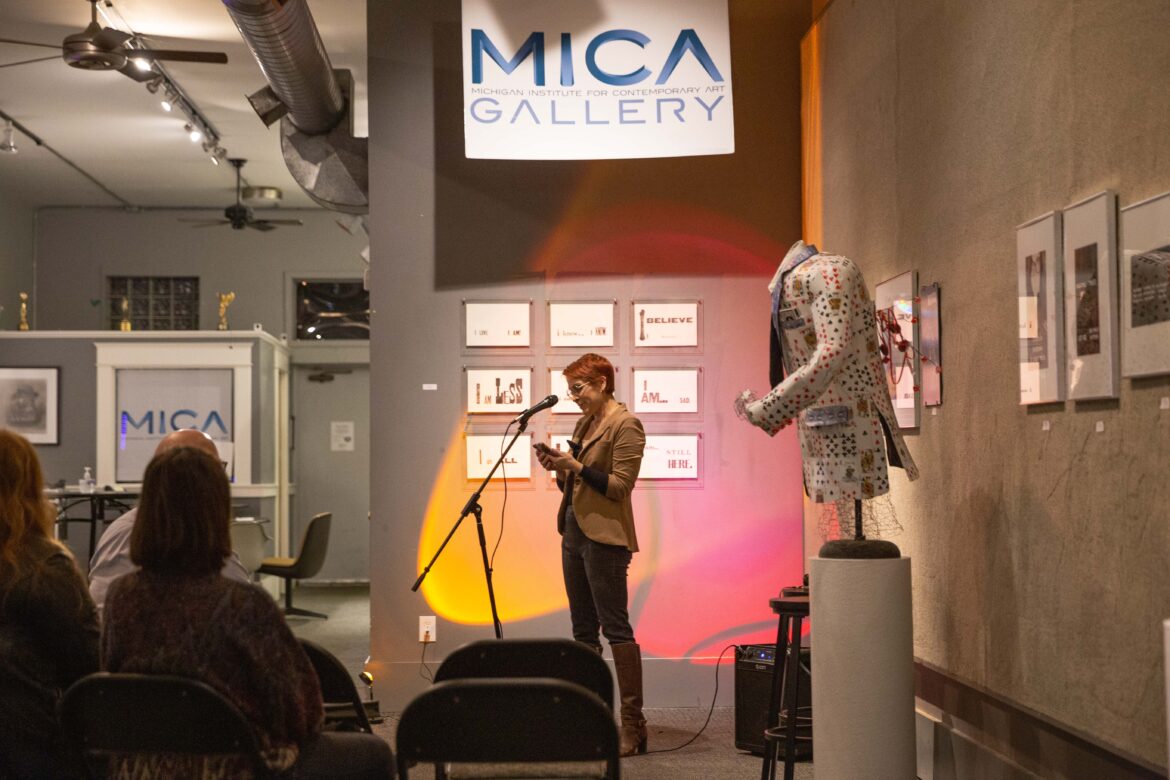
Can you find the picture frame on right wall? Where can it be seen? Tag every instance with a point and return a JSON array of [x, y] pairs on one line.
[[896, 299], [930, 335], [1090, 297], [1145, 287], [1041, 310]]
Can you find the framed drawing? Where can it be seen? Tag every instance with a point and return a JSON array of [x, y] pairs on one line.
[[894, 299], [665, 324], [496, 390], [497, 323], [671, 456], [29, 398], [1041, 298], [1090, 295], [581, 323], [661, 390], [558, 385], [1145, 287], [931, 348], [483, 450]]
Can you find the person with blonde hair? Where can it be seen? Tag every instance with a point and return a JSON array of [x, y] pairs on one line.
[[48, 623]]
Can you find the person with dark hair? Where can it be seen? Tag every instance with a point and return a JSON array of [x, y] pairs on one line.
[[596, 522], [176, 615], [48, 624], [111, 557]]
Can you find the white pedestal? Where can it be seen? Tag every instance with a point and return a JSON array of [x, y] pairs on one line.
[[862, 669]]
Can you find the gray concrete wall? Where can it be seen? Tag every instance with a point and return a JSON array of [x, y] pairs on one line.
[[446, 229], [16, 258], [1040, 558]]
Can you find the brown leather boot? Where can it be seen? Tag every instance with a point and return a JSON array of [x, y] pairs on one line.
[[627, 662]]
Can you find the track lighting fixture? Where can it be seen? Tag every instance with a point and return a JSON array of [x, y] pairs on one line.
[[194, 133], [153, 85], [166, 105], [8, 145]]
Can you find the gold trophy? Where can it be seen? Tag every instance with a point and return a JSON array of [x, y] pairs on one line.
[[225, 300], [23, 312], [124, 325]]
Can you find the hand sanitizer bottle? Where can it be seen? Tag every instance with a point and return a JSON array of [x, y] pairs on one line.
[[87, 484]]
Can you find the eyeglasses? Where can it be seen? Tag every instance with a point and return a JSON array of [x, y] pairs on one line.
[[576, 388]]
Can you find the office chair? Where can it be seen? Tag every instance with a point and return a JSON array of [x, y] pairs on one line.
[[560, 659], [107, 715], [308, 562], [530, 719]]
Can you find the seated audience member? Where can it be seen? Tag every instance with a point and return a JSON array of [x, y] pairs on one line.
[[177, 615], [111, 557], [48, 625]]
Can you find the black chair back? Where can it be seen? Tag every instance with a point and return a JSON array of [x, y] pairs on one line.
[[314, 545], [507, 720], [561, 659], [343, 705], [105, 714]]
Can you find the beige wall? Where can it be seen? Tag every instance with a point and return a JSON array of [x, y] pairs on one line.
[[1041, 559]]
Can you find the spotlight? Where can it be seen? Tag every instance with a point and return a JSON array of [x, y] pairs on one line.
[[153, 85], [8, 145], [194, 133], [141, 64], [166, 105]]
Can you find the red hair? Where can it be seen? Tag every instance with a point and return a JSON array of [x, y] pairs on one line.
[[589, 367], [25, 515]]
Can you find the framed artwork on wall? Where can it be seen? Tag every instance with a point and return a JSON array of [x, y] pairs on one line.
[[581, 323], [29, 398], [662, 390], [1041, 310], [929, 331], [558, 386], [1090, 295], [665, 324], [894, 299], [1145, 287], [497, 323], [671, 456], [496, 390], [483, 450]]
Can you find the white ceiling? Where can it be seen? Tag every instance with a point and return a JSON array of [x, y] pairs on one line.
[[115, 130]]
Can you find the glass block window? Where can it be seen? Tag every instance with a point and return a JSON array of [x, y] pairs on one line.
[[154, 302]]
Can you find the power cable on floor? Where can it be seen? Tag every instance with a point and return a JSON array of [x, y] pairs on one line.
[[710, 710]]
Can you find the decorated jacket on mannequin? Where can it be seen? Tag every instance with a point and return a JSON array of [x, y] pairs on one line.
[[834, 383]]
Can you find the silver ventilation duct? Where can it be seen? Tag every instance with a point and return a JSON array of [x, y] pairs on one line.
[[309, 98]]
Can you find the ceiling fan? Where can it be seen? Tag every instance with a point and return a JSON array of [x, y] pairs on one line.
[[240, 216], [104, 48]]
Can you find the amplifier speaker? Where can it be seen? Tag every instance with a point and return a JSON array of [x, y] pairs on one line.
[[753, 682]]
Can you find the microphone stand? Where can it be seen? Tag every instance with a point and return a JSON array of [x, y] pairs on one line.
[[472, 506]]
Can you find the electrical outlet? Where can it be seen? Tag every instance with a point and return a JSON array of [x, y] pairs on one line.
[[426, 628]]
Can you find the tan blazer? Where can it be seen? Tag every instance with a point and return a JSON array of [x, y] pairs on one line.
[[614, 449]]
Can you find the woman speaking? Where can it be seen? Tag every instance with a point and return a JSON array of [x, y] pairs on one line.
[[596, 521]]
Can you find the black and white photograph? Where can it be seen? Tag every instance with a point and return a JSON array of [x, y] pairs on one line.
[[1040, 286], [28, 397], [1090, 297], [1144, 252]]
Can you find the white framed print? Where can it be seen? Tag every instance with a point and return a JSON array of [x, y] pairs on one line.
[[896, 298], [1041, 310], [581, 323], [497, 323], [29, 400], [1145, 287], [483, 450], [496, 390], [1090, 296], [558, 386], [665, 324], [663, 390], [670, 456]]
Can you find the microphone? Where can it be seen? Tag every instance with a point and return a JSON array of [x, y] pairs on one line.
[[537, 407]]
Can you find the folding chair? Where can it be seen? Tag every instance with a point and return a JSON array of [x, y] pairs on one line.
[[343, 705]]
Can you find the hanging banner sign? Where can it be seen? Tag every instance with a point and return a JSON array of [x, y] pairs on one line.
[[567, 80]]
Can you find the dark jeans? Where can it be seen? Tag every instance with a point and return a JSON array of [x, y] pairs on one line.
[[595, 581]]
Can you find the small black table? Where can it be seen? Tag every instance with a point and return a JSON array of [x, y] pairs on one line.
[[100, 503]]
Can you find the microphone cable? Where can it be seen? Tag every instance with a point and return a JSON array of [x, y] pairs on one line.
[[504, 506], [710, 710]]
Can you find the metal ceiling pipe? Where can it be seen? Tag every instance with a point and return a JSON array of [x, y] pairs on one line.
[[284, 40]]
